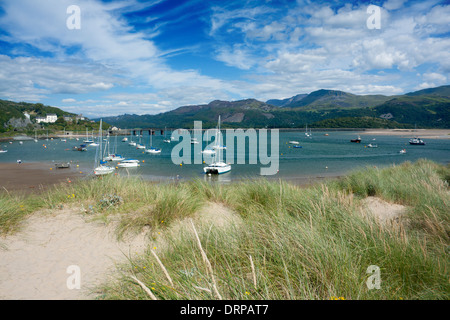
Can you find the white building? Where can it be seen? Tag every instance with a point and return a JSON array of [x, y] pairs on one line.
[[50, 118]]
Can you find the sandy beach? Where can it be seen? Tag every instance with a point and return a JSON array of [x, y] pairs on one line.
[[42, 261], [35, 177], [409, 133]]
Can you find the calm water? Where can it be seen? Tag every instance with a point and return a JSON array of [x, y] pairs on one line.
[[320, 156]]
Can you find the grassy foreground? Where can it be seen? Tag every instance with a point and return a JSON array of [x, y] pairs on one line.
[[285, 243]]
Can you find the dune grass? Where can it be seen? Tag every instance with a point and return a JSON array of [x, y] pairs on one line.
[[312, 243], [291, 242]]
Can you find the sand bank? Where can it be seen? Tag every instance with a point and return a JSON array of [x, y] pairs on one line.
[[35, 177], [410, 133]]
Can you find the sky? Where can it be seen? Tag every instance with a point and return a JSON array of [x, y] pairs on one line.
[[146, 57]]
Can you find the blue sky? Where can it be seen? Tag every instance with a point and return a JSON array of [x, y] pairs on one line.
[[147, 57]]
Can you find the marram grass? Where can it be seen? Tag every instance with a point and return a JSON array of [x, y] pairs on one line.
[[287, 242]]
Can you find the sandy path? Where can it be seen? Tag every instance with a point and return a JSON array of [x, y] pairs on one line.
[[34, 262]]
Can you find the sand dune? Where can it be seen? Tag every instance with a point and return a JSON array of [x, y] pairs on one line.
[[34, 262]]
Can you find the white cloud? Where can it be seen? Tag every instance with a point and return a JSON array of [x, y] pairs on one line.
[[393, 4], [32, 78], [69, 100], [280, 52]]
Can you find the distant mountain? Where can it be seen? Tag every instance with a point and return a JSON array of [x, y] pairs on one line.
[[245, 113], [285, 102], [443, 91], [428, 108], [332, 99]]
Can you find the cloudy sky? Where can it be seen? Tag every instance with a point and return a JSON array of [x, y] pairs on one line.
[[147, 57]]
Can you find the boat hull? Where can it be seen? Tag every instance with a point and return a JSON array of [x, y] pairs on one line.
[[214, 169], [103, 170]]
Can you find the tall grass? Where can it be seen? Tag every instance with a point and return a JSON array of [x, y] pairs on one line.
[[309, 243], [290, 242]]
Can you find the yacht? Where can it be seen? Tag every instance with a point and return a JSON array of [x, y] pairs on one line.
[[217, 167]]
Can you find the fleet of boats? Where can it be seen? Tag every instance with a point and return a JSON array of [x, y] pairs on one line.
[[218, 166]]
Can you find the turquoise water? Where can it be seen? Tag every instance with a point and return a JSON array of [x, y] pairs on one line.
[[320, 156]]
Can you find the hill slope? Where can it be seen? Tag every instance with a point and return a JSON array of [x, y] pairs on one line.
[[424, 108]]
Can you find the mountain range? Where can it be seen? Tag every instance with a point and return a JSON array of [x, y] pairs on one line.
[[428, 108]]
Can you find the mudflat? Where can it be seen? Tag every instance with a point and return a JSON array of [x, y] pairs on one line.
[[33, 177]]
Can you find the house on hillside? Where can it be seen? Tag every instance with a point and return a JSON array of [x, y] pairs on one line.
[[50, 118]]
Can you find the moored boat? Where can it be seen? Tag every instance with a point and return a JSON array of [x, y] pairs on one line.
[[417, 141], [128, 163]]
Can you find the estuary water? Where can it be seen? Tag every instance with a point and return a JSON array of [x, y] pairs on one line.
[[324, 154]]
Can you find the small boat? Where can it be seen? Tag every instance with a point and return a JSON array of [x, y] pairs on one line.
[[209, 151], [358, 140], [125, 139], [94, 144], [194, 141], [165, 139], [100, 168], [82, 147], [153, 150], [62, 165], [294, 142], [116, 157], [372, 145], [217, 167], [299, 147], [417, 141], [3, 151], [219, 147], [140, 146], [128, 163], [402, 151], [64, 139], [132, 143], [326, 134]]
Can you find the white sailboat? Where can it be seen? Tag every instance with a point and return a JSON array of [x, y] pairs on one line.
[[100, 167], [140, 145], [64, 136], [165, 139], [88, 140], [217, 167], [152, 149], [115, 156], [208, 151], [131, 143]]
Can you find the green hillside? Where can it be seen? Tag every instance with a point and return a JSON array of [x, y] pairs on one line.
[[332, 99]]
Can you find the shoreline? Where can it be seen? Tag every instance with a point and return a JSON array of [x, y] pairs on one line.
[[35, 177], [410, 133], [429, 133]]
